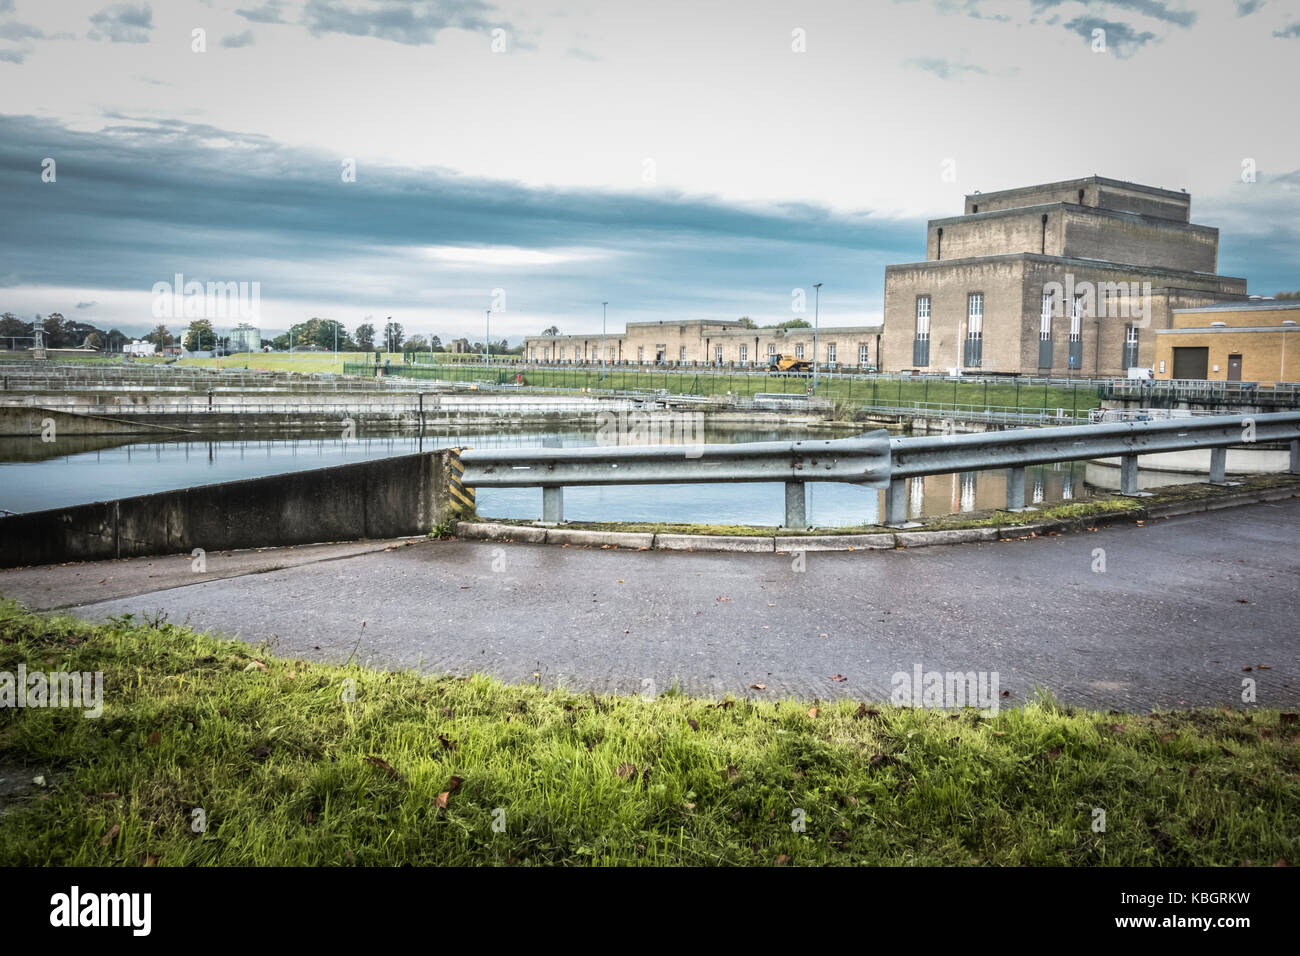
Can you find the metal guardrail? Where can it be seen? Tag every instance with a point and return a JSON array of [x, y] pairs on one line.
[[875, 459], [991, 414], [863, 460]]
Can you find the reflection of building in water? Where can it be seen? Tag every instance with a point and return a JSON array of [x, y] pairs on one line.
[[916, 498], [970, 491], [967, 483]]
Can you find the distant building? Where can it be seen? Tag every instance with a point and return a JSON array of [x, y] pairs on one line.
[[1068, 277], [1233, 342], [245, 338], [140, 348], [707, 342]]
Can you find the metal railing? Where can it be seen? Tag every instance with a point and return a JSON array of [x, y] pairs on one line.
[[875, 459]]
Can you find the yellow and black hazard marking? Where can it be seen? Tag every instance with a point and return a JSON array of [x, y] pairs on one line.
[[460, 494]]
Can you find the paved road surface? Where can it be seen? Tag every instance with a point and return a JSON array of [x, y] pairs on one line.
[[1182, 607]]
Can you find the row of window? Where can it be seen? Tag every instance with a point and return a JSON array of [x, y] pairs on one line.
[[661, 353], [974, 345]]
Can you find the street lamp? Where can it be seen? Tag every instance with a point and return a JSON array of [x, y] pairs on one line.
[[603, 353], [817, 298], [487, 338]]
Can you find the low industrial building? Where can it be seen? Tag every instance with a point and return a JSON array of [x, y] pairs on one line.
[[704, 342], [1235, 342]]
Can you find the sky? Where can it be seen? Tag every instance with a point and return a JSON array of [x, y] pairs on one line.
[[429, 161]]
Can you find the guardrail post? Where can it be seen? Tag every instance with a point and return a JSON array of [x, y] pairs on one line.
[[1218, 466], [1295, 457], [1015, 489], [896, 503], [1128, 477], [553, 503], [796, 505]]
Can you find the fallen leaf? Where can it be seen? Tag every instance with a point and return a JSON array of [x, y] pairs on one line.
[[154, 739], [385, 766], [454, 784], [108, 837], [812, 712], [627, 770], [838, 678], [149, 860], [694, 725], [446, 744], [783, 860], [261, 753], [1116, 728], [758, 687], [442, 797]]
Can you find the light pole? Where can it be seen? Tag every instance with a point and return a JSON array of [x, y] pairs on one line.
[[487, 338], [817, 300], [603, 353]]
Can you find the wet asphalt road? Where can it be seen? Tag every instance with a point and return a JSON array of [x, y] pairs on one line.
[[1183, 605]]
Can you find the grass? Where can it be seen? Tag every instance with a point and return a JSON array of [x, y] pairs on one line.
[[843, 389], [418, 769]]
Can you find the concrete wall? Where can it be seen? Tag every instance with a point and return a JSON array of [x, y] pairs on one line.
[[387, 498]]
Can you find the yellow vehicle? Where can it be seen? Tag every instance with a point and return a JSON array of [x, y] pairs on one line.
[[787, 363]]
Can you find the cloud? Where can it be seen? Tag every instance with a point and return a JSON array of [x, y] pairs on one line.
[[237, 40], [943, 68], [1292, 31], [13, 56], [1155, 9], [403, 238], [86, 305], [123, 23], [13, 30], [1246, 7], [270, 12], [412, 22], [1120, 37]]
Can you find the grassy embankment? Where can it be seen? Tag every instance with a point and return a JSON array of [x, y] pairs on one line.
[[416, 769]]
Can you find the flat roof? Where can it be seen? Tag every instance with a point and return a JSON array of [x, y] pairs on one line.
[[1245, 306], [1140, 187]]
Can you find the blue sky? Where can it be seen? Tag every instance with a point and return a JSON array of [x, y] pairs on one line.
[[676, 159]]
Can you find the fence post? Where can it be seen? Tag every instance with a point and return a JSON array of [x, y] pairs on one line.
[[796, 505], [1295, 457]]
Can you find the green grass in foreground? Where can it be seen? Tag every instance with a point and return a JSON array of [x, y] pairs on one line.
[[412, 772]]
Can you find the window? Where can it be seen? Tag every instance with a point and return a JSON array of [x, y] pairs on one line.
[[862, 355], [921, 344], [771, 349], [718, 354], [798, 351], [973, 351], [830, 353], [611, 353], [975, 314], [1076, 319], [744, 353], [682, 355], [561, 353], [1130, 347], [640, 353], [1045, 324]]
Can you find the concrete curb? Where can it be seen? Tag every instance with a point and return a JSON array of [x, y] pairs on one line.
[[877, 541]]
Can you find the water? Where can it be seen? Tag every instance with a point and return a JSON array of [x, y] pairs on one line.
[[35, 476]]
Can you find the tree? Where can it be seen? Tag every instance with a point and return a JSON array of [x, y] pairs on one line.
[[12, 328], [366, 337], [200, 337], [551, 331], [281, 342], [159, 337], [393, 335], [1287, 295], [416, 343], [54, 331], [436, 343], [746, 322], [115, 339], [791, 324]]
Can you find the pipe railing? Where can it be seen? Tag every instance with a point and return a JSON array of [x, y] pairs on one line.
[[876, 460]]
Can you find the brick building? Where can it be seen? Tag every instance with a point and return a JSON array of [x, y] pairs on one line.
[[703, 342], [1233, 342], [1068, 277]]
